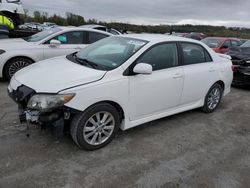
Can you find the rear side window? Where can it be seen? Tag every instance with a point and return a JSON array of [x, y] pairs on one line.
[[235, 43], [193, 54], [161, 56], [93, 37]]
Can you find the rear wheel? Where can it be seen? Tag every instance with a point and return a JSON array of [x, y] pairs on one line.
[[96, 127], [15, 65], [213, 98]]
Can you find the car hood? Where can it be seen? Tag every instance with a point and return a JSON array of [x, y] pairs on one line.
[[15, 44], [56, 74], [242, 53]]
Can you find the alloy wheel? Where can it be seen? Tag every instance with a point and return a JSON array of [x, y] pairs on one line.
[[214, 98], [98, 128], [16, 66]]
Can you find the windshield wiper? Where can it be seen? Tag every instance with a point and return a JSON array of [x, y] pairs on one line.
[[86, 62]]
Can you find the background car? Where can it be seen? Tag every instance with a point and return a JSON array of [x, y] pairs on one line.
[[241, 59], [15, 54], [121, 82], [196, 36], [102, 28], [221, 44]]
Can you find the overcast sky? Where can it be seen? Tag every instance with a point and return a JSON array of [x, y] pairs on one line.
[[211, 12]]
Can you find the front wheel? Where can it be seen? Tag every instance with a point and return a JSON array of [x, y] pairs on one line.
[[96, 127], [15, 65], [213, 98]]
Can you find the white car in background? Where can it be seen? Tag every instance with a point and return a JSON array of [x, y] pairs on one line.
[[15, 54], [102, 28], [121, 82]]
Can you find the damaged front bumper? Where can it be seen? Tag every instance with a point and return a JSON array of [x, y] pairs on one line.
[[54, 119]]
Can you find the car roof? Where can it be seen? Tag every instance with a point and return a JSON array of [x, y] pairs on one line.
[[158, 38], [73, 28]]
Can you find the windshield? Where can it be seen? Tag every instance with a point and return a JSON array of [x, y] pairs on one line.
[[111, 52], [42, 35], [246, 44], [212, 42]]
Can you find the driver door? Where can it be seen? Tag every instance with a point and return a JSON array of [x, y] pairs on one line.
[[160, 91], [70, 42]]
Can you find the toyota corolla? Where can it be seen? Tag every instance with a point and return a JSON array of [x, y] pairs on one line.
[[121, 82]]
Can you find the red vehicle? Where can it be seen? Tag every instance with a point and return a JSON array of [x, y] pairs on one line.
[[221, 44]]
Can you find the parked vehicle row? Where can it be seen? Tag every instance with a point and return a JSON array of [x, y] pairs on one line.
[[16, 54], [37, 26], [120, 82]]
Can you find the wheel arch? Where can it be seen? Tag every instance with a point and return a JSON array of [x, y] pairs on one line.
[[10, 59], [116, 105], [221, 83]]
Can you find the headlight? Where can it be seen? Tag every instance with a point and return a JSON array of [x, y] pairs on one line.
[[46, 102], [2, 51], [248, 61]]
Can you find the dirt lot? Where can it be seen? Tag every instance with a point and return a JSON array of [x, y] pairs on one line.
[[188, 150]]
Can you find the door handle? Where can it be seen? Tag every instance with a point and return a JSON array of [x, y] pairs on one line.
[[78, 48], [177, 75], [211, 69]]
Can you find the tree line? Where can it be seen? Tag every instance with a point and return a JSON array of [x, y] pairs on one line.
[[71, 19]]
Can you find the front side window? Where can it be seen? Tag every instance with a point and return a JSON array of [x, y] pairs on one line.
[[42, 35], [73, 37], [161, 56], [193, 54], [109, 53], [94, 36], [226, 44]]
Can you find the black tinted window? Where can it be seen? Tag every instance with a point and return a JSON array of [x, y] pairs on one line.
[[161, 56], [93, 37], [194, 53], [74, 37]]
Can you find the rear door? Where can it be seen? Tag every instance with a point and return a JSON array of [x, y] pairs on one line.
[[161, 90], [200, 72]]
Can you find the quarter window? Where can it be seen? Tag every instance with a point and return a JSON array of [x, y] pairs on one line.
[[93, 37], [193, 54], [161, 56]]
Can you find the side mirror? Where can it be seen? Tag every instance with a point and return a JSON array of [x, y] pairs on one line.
[[143, 68], [54, 43]]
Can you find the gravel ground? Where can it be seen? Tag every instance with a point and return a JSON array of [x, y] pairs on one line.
[[189, 150]]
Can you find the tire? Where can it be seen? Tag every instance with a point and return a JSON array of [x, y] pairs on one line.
[[83, 129], [212, 99], [15, 65]]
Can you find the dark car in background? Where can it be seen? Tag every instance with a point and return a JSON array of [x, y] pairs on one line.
[[221, 44], [196, 36], [241, 61]]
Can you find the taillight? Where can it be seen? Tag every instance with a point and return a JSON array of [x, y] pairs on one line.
[[234, 68]]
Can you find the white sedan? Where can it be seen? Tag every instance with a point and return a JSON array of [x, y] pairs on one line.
[[121, 82], [18, 53]]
